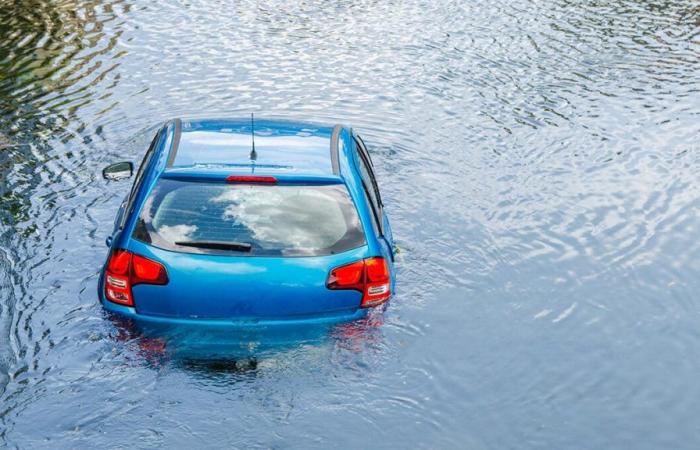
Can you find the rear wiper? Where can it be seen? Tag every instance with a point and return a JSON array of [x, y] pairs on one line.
[[218, 245]]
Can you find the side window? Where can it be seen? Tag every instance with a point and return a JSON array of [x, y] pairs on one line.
[[369, 186], [139, 178], [370, 167], [363, 148]]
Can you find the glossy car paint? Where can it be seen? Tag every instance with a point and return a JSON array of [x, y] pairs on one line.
[[216, 290]]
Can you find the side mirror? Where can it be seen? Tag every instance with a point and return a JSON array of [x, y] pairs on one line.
[[118, 171]]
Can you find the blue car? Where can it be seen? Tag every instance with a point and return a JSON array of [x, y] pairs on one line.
[[242, 221]]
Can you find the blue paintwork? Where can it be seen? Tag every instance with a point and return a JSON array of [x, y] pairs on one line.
[[242, 291], [327, 318]]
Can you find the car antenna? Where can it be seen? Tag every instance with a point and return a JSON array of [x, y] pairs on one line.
[[253, 154]]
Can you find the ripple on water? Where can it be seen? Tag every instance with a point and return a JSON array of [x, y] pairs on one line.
[[539, 163]]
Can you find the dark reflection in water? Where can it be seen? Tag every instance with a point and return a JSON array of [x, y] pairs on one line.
[[226, 347], [540, 164]]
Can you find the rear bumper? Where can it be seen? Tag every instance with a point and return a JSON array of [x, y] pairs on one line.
[[324, 319]]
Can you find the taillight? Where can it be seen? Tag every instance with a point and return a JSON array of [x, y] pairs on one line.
[[369, 276], [377, 285], [351, 276], [253, 179], [146, 271], [117, 284], [125, 270]]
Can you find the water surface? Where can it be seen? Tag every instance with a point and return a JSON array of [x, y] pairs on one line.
[[539, 161]]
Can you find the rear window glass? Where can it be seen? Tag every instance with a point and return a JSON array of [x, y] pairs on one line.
[[240, 219]]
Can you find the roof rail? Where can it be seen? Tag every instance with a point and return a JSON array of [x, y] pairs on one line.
[[176, 142], [335, 136]]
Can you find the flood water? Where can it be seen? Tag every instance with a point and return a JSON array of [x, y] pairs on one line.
[[540, 164]]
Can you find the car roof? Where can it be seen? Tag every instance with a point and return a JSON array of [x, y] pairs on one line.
[[283, 147], [330, 162]]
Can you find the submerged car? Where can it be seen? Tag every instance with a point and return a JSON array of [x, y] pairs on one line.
[[257, 222]]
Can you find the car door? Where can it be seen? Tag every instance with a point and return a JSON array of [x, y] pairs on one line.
[[374, 197]]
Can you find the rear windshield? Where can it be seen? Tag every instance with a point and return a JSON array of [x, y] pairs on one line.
[[240, 219]]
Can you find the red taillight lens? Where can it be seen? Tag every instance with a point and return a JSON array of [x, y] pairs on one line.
[[378, 282], [125, 270], [119, 262], [147, 271], [347, 277], [377, 270], [117, 283], [369, 276]]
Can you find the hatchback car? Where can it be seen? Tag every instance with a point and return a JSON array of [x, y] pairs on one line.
[[256, 222]]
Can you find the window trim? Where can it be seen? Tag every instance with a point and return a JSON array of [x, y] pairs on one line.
[[363, 148], [364, 153], [377, 211], [377, 224], [138, 181]]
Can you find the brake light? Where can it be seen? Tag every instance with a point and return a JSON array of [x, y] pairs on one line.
[[347, 277], [147, 271], [369, 276], [125, 270], [250, 179]]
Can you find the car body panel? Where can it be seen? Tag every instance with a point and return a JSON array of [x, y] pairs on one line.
[[238, 323], [220, 286], [222, 290]]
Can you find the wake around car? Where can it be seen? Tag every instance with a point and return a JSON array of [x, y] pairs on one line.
[[234, 221]]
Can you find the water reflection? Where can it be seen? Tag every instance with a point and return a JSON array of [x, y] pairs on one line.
[[538, 159], [51, 57], [52, 54], [239, 348]]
